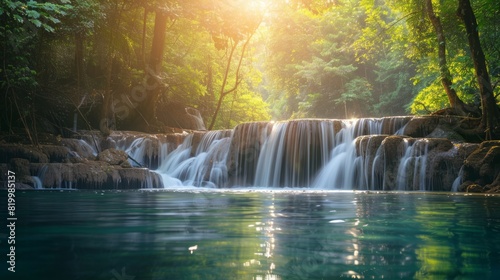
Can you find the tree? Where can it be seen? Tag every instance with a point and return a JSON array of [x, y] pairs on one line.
[[490, 112], [22, 24], [236, 25], [291, 32], [314, 58], [455, 102]]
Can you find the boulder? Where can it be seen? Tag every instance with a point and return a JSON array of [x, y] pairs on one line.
[[482, 167], [113, 156], [391, 150], [475, 188], [56, 153], [138, 178], [20, 166], [444, 131], [421, 126]]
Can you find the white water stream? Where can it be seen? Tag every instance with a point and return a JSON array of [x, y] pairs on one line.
[[320, 154]]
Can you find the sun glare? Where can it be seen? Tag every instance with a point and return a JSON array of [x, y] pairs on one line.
[[255, 6]]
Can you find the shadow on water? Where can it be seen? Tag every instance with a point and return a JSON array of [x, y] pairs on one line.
[[246, 234]]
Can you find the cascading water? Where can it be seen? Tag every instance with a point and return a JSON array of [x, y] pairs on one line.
[[206, 167], [293, 153], [458, 181], [363, 154], [412, 166]]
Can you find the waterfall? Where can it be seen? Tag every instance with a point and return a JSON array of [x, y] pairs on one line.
[[458, 181], [293, 153], [301, 153], [412, 166], [357, 154], [37, 182], [206, 167]]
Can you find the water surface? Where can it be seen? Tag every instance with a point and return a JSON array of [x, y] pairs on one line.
[[248, 234]]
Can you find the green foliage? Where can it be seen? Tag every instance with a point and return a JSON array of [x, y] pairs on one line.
[[308, 58], [315, 63], [21, 22], [41, 15], [393, 84]]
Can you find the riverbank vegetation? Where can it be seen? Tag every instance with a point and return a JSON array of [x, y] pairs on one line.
[[114, 64]]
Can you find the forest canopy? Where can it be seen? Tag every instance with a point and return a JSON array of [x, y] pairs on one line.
[[115, 64]]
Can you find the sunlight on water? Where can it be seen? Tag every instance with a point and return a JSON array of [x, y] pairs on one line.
[[195, 233]]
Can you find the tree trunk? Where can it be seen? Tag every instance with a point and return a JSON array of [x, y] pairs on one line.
[[152, 84], [207, 106], [223, 91], [490, 111], [158, 45], [143, 40], [107, 122], [79, 64], [446, 79], [223, 86]]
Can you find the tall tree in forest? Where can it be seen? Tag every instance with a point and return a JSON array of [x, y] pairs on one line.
[[455, 102], [154, 66], [490, 112], [234, 30], [21, 27], [143, 99], [107, 111]]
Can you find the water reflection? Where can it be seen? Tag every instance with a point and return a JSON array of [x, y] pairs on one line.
[[256, 235]]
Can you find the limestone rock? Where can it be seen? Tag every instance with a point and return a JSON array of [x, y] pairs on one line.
[[56, 153], [475, 188], [390, 125], [20, 166], [482, 167], [113, 156], [33, 154], [421, 126], [446, 132], [138, 178], [391, 150], [95, 175], [244, 150], [79, 148], [17, 186]]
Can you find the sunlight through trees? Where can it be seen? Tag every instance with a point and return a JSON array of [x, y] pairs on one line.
[[119, 64]]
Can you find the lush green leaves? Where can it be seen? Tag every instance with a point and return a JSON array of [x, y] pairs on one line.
[[307, 58]]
